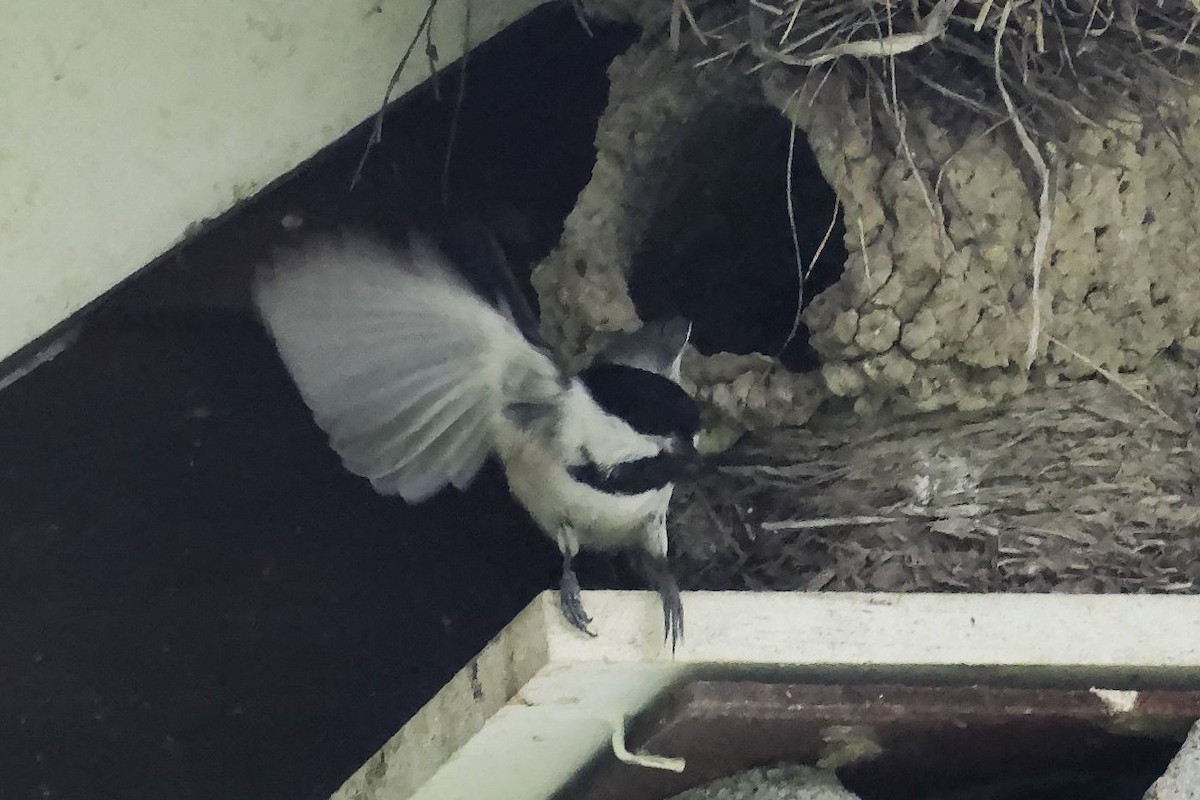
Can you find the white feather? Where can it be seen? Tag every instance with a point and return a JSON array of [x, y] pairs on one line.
[[404, 368], [572, 512], [409, 373]]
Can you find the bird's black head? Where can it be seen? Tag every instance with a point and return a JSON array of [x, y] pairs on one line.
[[651, 404]]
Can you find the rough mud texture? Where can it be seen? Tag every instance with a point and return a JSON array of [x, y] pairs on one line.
[[1078, 487], [656, 100], [582, 285], [1063, 484], [1181, 781], [740, 393], [934, 309], [773, 783]]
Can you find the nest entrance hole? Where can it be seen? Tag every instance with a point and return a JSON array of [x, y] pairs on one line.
[[719, 246]]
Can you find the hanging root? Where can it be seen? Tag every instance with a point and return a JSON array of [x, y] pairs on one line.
[[1044, 209]]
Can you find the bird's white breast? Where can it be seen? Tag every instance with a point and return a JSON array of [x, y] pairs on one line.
[[538, 478]]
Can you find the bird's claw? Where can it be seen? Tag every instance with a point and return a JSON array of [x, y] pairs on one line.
[[672, 605], [572, 604]]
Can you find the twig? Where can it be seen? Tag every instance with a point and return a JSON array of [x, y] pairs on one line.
[[936, 213], [721, 55], [1088, 28], [802, 273], [958, 97], [818, 33], [982, 17], [1044, 210], [431, 53], [377, 129], [770, 9], [1039, 28], [787, 31], [581, 15], [791, 211], [676, 25], [862, 247], [812, 263], [885, 47], [812, 98], [824, 522], [691, 19], [1116, 380], [1182, 47], [458, 102]]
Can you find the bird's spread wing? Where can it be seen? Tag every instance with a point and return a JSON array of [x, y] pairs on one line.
[[473, 248], [402, 365]]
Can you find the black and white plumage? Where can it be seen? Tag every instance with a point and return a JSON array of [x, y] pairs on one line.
[[417, 374]]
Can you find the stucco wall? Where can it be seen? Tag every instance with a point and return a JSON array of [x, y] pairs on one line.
[[124, 123]]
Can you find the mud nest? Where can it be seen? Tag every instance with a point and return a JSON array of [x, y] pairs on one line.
[[1010, 187], [972, 269]]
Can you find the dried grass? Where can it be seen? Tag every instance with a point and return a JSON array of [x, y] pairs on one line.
[[1077, 488], [1061, 63]]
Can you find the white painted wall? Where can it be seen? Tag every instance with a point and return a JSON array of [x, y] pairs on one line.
[[125, 122]]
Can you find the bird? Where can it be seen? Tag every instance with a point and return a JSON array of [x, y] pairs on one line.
[[422, 360]]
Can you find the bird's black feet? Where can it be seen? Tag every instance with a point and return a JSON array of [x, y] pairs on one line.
[[672, 605], [570, 601], [657, 573]]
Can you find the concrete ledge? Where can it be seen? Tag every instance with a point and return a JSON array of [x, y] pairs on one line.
[[541, 700]]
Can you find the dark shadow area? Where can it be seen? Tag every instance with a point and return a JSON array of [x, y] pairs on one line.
[[950, 742], [196, 600], [720, 249]]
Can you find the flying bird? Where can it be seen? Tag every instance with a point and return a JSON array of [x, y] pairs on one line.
[[419, 368]]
